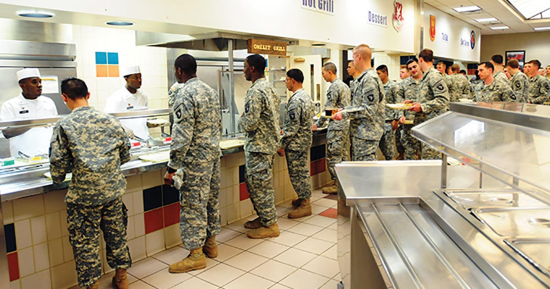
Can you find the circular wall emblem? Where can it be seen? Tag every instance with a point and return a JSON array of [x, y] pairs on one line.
[[472, 39]]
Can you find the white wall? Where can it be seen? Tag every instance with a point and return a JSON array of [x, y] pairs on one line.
[[535, 44]]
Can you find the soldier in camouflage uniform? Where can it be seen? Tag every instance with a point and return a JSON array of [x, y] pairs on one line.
[[387, 142], [498, 63], [260, 122], [539, 86], [403, 74], [367, 112], [433, 99], [92, 145], [492, 89], [519, 82], [460, 83], [409, 91], [194, 166], [338, 96], [296, 141], [442, 67]]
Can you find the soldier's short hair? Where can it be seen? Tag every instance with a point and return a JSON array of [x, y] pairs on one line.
[[74, 88], [455, 68], [427, 55], [462, 71], [535, 63], [497, 58], [442, 63], [364, 51], [513, 63], [487, 65], [414, 59], [382, 68], [402, 66], [329, 66], [187, 64], [296, 74], [257, 61]]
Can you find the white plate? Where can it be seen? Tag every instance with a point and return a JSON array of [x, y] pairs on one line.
[[399, 105]]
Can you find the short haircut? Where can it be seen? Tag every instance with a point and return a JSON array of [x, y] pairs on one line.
[[427, 55], [535, 63], [487, 65], [442, 63], [455, 67], [497, 58], [402, 66], [329, 66], [74, 88], [257, 61], [513, 63], [462, 71], [414, 59], [187, 64], [547, 66], [296, 74], [364, 50], [382, 68]]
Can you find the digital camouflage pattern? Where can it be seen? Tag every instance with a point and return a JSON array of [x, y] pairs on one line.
[[337, 149], [409, 90], [172, 94], [387, 141], [461, 87], [539, 89], [297, 133], [259, 176], [298, 171], [495, 91], [502, 77], [520, 85]]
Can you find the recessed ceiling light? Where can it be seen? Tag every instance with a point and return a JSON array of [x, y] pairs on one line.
[[542, 28], [35, 14], [483, 20], [120, 23], [499, 27], [462, 9]]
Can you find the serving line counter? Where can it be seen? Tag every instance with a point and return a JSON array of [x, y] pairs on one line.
[[483, 222]]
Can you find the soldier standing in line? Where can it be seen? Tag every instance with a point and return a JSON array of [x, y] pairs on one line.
[[403, 74], [519, 82], [492, 89], [194, 166], [260, 122], [338, 96], [92, 145], [433, 98], [387, 142], [409, 90], [296, 142], [539, 86], [367, 111], [460, 83], [442, 67], [498, 63]]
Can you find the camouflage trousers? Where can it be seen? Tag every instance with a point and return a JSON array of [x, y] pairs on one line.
[[337, 149], [387, 142], [398, 141], [298, 171], [259, 182], [410, 143], [84, 223], [429, 153], [364, 150], [199, 201]]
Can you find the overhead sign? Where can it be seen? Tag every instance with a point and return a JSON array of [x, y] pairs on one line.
[[377, 19], [323, 6], [472, 39], [266, 47], [397, 18]]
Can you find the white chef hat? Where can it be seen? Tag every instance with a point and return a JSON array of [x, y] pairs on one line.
[[27, 73], [129, 70]]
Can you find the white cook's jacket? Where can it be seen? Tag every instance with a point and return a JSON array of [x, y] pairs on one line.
[[122, 100], [35, 141]]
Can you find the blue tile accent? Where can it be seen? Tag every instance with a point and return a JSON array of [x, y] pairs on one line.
[[317, 152], [242, 174], [9, 230], [170, 195], [152, 198], [101, 58], [112, 58]]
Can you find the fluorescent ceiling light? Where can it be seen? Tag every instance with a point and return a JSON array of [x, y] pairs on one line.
[[120, 23], [499, 27], [462, 9], [530, 8], [35, 14], [542, 28], [483, 20]]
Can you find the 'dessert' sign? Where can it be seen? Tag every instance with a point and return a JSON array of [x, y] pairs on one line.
[[266, 47]]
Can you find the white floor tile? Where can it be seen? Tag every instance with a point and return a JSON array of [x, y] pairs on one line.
[[320, 221], [141, 285], [285, 204], [328, 235], [331, 253], [325, 203], [285, 223], [304, 280], [226, 234], [195, 283], [246, 261], [225, 252], [249, 281], [268, 249], [305, 229], [323, 266], [314, 246], [288, 239], [243, 242], [282, 212], [238, 226], [273, 270], [334, 226], [146, 267], [164, 279], [295, 257], [331, 284], [106, 280], [172, 255], [210, 263], [278, 286], [221, 274]]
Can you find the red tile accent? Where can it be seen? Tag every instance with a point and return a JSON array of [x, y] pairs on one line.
[[330, 213], [243, 192], [153, 220], [313, 168], [171, 214], [13, 265], [321, 165]]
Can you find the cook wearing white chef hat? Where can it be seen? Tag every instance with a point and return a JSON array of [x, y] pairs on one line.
[[29, 104]]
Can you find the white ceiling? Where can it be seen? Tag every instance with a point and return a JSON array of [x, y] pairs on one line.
[[498, 9]]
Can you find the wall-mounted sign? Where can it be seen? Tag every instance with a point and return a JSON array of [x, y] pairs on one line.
[[432, 28], [397, 18], [444, 37], [472, 39], [377, 19], [266, 47], [323, 6]]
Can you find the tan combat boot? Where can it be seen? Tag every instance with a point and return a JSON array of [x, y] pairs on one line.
[[333, 189], [195, 261], [95, 285], [120, 280], [254, 224], [303, 210], [296, 202], [328, 186], [264, 232], [210, 248]]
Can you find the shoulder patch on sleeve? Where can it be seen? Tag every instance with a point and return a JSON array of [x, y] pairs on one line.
[[518, 84], [439, 86], [547, 86], [178, 113], [292, 115], [370, 97], [247, 107]]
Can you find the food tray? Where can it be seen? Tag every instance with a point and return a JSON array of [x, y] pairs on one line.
[[156, 157], [231, 143], [401, 106], [535, 250], [516, 222], [474, 199]]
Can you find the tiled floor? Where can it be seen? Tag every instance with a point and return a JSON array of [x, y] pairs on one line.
[[303, 256]]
